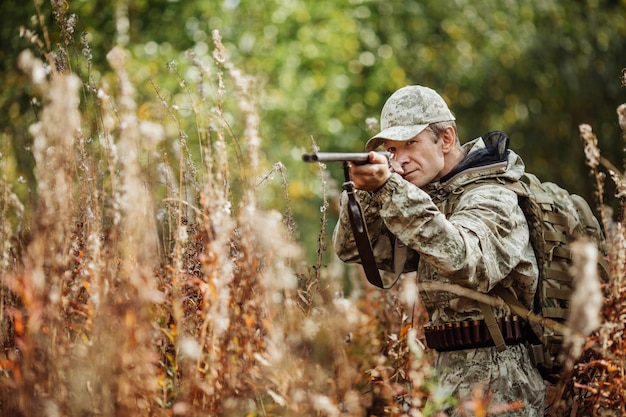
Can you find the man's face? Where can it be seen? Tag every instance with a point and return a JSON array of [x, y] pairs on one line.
[[420, 160]]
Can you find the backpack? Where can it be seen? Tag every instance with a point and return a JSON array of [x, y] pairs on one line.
[[555, 219]]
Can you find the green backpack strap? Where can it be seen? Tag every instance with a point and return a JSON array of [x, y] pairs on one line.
[[492, 326]]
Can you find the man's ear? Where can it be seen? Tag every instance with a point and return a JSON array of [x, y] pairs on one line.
[[448, 138]]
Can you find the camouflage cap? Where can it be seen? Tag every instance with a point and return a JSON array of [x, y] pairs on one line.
[[409, 111]]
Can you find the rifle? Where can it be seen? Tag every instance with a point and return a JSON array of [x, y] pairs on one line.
[[355, 214]]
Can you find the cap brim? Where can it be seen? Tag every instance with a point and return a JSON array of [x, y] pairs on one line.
[[394, 133]]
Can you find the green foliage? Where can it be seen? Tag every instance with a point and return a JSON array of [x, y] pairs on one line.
[[535, 69]]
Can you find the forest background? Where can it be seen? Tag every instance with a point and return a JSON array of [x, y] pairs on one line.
[[227, 96], [535, 70]]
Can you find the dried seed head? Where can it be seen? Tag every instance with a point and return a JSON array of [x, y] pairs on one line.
[[590, 143], [372, 124], [32, 67], [585, 302], [116, 57], [621, 117]]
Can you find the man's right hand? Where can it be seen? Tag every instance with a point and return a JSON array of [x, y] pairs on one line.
[[372, 176]]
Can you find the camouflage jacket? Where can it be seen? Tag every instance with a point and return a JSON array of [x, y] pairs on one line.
[[483, 242]]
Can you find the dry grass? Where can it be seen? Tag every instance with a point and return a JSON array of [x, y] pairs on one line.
[[597, 383], [150, 285]]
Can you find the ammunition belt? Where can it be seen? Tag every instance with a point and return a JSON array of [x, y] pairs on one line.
[[471, 334]]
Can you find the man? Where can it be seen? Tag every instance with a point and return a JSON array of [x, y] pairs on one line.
[[484, 242]]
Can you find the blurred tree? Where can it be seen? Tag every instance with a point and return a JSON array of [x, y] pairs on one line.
[[535, 69]]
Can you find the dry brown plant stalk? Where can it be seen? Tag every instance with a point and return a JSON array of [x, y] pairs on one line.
[[597, 385], [115, 310]]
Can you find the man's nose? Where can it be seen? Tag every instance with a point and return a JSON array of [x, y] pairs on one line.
[[401, 157]]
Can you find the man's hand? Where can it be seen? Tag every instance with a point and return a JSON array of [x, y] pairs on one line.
[[372, 176]]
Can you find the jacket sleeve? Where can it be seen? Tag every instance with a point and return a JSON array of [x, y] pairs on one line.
[[381, 240]]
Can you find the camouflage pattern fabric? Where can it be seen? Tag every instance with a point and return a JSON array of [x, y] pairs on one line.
[[409, 111], [484, 241], [506, 381]]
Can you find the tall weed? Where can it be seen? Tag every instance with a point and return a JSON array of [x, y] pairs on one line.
[[149, 283]]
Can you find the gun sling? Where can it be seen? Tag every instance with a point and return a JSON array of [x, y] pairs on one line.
[[362, 239]]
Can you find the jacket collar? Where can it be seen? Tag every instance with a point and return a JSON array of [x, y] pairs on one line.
[[486, 157]]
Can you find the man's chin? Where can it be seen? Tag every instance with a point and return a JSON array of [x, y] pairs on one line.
[[415, 178], [409, 176]]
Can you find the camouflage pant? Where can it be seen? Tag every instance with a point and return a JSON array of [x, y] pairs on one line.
[[504, 383]]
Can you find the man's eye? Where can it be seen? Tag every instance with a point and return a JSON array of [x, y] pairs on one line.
[[410, 142], [391, 150]]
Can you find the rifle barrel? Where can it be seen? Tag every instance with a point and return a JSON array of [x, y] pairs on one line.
[[362, 157]]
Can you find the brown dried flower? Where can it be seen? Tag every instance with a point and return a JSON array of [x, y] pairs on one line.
[[586, 300], [590, 143]]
